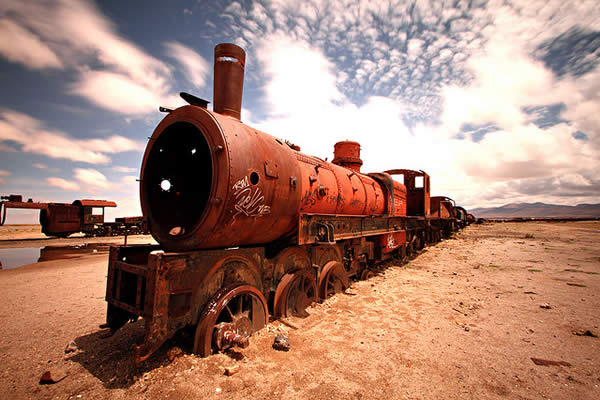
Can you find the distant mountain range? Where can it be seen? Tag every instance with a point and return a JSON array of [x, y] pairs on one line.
[[539, 210]]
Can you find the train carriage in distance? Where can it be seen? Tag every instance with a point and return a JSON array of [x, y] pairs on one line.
[[86, 216], [247, 225]]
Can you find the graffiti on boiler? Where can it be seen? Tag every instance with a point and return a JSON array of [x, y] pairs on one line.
[[249, 200]]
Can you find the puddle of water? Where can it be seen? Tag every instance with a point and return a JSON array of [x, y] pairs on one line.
[[18, 257], [14, 258]]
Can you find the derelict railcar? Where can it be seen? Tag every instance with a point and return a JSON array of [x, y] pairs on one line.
[[87, 216]]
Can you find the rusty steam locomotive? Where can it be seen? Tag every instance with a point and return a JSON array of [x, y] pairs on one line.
[[248, 226]]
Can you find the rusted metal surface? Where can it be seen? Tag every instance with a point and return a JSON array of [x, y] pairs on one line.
[[295, 292], [442, 207], [60, 219], [461, 216], [319, 228], [94, 203], [347, 154], [470, 218], [418, 190], [230, 62], [230, 318], [63, 219], [333, 279]]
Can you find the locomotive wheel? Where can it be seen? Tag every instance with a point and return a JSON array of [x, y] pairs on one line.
[[367, 274], [418, 244], [291, 259], [230, 317], [333, 279], [295, 292], [410, 249]]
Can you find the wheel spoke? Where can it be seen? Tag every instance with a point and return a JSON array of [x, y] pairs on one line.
[[229, 312], [240, 300]]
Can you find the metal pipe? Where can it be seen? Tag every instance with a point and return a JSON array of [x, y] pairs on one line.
[[230, 61]]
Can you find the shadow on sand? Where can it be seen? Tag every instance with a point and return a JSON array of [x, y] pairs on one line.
[[111, 360]]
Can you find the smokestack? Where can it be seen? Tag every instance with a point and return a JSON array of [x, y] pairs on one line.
[[229, 79], [347, 154]]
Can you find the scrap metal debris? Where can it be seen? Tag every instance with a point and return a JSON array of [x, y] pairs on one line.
[[281, 343], [539, 361]]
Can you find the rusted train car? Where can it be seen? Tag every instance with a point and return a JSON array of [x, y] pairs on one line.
[[63, 219], [248, 226]]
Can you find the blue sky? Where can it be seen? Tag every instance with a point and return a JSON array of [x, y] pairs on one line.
[[499, 101]]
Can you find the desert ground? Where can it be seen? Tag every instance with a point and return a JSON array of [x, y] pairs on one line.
[[465, 319]]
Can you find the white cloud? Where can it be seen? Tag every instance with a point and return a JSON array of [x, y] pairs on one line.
[[40, 166], [129, 181], [92, 179], [74, 34], [295, 73], [194, 65], [505, 81], [126, 170], [415, 47], [22, 46], [34, 137], [63, 184], [116, 92]]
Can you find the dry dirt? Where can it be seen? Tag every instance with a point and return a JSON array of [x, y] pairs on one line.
[[462, 320]]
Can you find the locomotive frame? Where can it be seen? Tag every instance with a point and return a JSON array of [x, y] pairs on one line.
[[249, 227]]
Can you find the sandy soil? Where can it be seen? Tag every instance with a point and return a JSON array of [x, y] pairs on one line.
[[462, 320]]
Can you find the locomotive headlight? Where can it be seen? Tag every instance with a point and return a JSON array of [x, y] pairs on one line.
[[165, 185]]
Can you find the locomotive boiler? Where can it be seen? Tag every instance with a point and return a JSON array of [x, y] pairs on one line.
[[248, 225]]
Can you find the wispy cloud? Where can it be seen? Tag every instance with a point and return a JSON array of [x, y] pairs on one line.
[[92, 179], [126, 170], [63, 184], [195, 67], [34, 137], [129, 181], [40, 166], [110, 71], [7, 149], [22, 46], [4, 173]]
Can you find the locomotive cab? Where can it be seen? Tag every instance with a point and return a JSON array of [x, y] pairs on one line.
[[417, 191]]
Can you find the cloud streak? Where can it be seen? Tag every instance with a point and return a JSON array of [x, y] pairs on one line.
[[4, 173], [34, 137], [110, 71], [63, 184], [196, 68]]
